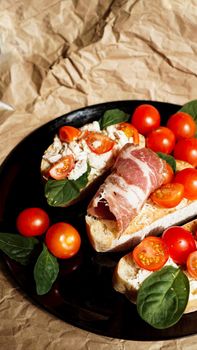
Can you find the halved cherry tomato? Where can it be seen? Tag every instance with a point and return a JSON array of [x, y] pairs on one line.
[[180, 243], [188, 178], [182, 125], [151, 254], [168, 174], [63, 240], [169, 195], [186, 149], [161, 140], [68, 133], [32, 222], [98, 143], [145, 118], [62, 168], [192, 264], [130, 131]]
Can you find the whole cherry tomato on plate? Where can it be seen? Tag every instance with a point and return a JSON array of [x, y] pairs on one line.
[[182, 125], [168, 195], [161, 140], [186, 149], [151, 254], [32, 222], [180, 243], [63, 240], [62, 168], [188, 178], [146, 118]]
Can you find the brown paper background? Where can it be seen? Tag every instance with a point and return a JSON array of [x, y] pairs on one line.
[[56, 56]]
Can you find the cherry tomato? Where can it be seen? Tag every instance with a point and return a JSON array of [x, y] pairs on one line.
[[182, 125], [68, 133], [63, 240], [32, 222], [188, 178], [130, 131], [180, 243], [146, 118], [168, 174], [186, 149], [62, 168], [161, 140], [151, 254], [99, 143], [169, 195], [192, 264]]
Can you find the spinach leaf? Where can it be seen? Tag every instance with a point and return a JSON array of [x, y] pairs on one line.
[[17, 247], [60, 192], [113, 116], [163, 297], [169, 159], [190, 108], [46, 271]]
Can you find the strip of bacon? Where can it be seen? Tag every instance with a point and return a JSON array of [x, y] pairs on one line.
[[136, 173]]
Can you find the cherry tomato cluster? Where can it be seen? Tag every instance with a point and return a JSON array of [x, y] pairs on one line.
[[177, 138], [61, 238], [176, 242]]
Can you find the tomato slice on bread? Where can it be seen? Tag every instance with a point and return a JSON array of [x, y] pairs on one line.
[[168, 195], [192, 264], [130, 131], [98, 143], [151, 254], [69, 133], [62, 168]]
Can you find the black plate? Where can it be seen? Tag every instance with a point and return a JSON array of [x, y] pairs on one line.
[[82, 295]]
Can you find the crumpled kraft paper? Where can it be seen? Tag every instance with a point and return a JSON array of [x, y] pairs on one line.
[[56, 56]]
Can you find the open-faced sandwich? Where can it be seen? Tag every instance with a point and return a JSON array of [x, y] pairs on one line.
[[160, 275], [134, 201], [78, 157]]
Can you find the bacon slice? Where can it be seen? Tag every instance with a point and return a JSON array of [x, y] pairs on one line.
[[136, 173]]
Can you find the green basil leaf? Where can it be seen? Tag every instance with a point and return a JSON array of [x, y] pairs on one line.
[[17, 247], [169, 159], [46, 271], [190, 108], [113, 116], [163, 297], [60, 192]]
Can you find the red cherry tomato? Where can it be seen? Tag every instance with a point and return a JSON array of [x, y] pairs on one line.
[[151, 254], [62, 168], [168, 174], [182, 125], [68, 133], [32, 222], [63, 240], [188, 178], [161, 140], [192, 264], [186, 149], [169, 195], [98, 143], [145, 118], [130, 131], [180, 243]]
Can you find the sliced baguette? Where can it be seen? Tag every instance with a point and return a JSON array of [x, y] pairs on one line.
[[128, 277], [151, 220]]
